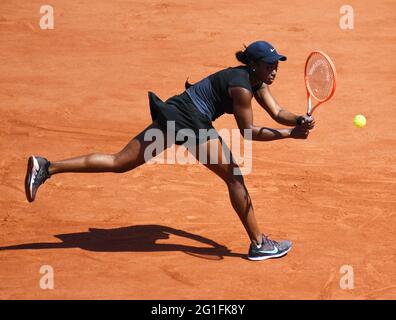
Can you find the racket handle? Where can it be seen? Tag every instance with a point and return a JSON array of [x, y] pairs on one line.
[[309, 111], [301, 118]]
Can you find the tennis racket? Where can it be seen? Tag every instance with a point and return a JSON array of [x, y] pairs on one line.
[[320, 79]]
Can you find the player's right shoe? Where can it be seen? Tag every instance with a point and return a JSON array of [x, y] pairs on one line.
[[269, 249], [36, 174]]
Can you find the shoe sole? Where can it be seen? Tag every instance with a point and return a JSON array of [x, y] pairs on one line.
[[269, 257], [32, 164]]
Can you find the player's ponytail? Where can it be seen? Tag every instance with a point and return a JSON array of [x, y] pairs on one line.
[[241, 56]]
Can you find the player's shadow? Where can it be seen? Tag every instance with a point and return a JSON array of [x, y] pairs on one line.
[[139, 238]]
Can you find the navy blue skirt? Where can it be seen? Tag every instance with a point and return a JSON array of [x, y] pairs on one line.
[[183, 112]]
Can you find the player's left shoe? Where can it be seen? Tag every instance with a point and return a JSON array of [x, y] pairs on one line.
[[269, 249], [36, 174]]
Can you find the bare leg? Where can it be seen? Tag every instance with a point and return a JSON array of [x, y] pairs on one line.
[[238, 192], [127, 159]]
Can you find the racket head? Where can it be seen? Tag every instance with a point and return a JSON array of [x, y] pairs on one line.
[[320, 76]]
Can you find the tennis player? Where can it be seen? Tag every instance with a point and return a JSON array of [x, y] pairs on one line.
[[227, 91]]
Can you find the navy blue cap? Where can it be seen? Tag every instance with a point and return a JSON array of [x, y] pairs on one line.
[[263, 51]]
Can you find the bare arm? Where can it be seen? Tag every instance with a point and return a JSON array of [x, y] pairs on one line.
[[244, 117], [265, 99]]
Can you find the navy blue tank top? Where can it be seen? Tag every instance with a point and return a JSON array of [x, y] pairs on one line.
[[210, 95]]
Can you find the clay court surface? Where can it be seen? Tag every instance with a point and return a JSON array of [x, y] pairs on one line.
[[169, 231]]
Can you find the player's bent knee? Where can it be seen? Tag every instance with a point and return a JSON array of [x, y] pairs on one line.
[[121, 166]]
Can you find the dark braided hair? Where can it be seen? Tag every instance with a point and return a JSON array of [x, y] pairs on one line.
[[243, 57]]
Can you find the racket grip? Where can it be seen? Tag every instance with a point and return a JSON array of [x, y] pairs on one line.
[[300, 119]]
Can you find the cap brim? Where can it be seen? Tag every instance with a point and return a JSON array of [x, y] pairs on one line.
[[282, 58], [273, 59]]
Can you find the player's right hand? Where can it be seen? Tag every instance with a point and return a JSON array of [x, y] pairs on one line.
[[308, 122]]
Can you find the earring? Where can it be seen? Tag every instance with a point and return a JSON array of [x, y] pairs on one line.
[[254, 70]]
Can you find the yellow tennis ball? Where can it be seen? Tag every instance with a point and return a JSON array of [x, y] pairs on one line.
[[359, 121]]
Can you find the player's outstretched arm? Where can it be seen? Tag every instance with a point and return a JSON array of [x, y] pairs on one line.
[[267, 101], [244, 118]]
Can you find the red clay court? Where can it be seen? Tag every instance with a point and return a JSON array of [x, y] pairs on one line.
[[169, 231]]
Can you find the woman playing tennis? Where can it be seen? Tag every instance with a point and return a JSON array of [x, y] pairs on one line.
[[228, 91]]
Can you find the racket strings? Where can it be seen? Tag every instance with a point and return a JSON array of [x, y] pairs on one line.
[[320, 77]]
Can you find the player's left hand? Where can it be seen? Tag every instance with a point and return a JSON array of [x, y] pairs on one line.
[[308, 122]]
